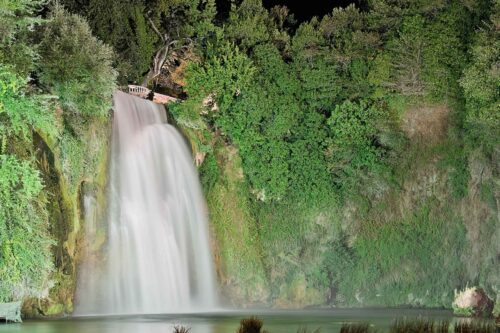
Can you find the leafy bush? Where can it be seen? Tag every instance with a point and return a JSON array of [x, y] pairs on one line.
[[225, 72], [17, 18], [75, 65], [209, 173], [25, 257], [352, 143], [21, 112], [481, 82]]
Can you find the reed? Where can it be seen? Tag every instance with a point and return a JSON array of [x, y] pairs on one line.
[[474, 327], [356, 328], [419, 326], [250, 325], [181, 329]]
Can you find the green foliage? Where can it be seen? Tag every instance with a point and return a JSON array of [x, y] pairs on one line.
[[248, 23], [457, 163], [20, 113], [338, 261], [77, 68], [419, 56], [314, 111], [407, 261], [234, 226], [17, 18], [481, 84], [352, 144], [209, 173], [225, 72], [129, 27], [25, 258], [443, 64], [75, 65], [143, 44]]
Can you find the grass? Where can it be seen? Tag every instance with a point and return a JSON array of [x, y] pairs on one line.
[[406, 261]]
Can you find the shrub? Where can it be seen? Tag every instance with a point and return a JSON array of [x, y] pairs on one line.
[[25, 259], [20, 112], [17, 17], [75, 65], [352, 144]]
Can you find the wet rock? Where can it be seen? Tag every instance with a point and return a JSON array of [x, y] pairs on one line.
[[472, 302]]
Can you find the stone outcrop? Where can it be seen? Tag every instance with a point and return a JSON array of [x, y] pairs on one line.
[[472, 302]]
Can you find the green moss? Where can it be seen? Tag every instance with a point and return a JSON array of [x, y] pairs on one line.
[[55, 309], [237, 246]]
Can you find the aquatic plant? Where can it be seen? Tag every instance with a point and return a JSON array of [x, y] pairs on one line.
[[473, 327], [181, 329], [251, 325], [419, 326], [356, 328]]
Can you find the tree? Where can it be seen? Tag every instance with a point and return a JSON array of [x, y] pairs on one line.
[[352, 143], [16, 18], [248, 24], [481, 83], [147, 34], [407, 57], [76, 66]]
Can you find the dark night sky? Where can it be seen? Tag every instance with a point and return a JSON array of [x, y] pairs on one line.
[[302, 9]]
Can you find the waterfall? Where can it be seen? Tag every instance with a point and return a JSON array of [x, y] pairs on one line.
[[157, 258]]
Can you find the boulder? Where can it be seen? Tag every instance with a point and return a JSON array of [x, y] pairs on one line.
[[472, 302], [11, 312]]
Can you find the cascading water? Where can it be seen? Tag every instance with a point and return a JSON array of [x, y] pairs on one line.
[[158, 255]]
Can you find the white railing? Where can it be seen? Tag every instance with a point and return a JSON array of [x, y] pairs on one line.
[[138, 90], [143, 92]]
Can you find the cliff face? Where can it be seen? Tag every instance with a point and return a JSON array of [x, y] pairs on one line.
[[412, 238], [74, 171], [435, 214]]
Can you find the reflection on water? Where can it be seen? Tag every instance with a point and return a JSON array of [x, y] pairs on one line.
[[329, 321]]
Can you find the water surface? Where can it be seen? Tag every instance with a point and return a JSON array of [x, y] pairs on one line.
[[329, 321]]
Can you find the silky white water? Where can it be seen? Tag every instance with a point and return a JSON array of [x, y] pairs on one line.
[[157, 258]]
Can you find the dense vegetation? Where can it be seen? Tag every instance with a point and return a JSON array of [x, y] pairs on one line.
[[56, 80], [357, 152]]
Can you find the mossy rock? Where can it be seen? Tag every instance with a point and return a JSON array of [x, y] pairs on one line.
[[472, 302]]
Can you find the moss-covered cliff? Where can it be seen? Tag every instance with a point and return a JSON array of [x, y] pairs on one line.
[[349, 160], [74, 169], [413, 237]]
